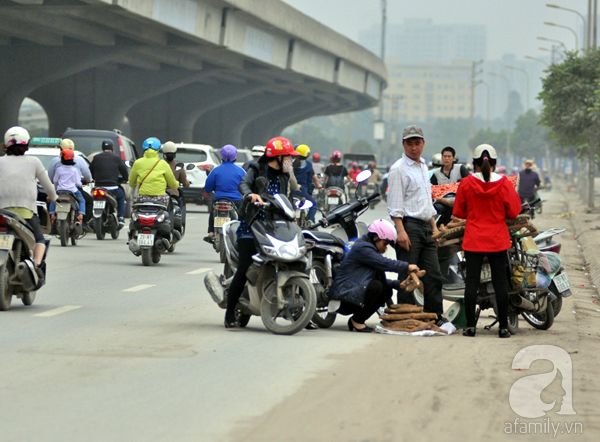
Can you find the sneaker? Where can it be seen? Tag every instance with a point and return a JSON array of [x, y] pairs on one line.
[[210, 239], [39, 271], [214, 288], [121, 223]]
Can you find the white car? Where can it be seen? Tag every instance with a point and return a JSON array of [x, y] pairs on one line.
[[204, 158]]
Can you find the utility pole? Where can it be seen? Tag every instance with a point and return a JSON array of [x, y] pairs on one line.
[[383, 26], [474, 74]]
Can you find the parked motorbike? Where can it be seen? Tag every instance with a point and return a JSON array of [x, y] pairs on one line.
[[68, 227], [278, 287], [18, 276], [150, 232], [106, 215], [224, 210]]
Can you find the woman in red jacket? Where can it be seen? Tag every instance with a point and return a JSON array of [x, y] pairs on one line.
[[486, 200]]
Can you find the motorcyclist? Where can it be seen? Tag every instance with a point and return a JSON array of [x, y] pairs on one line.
[[354, 171], [318, 167], [68, 178], [84, 170], [169, 150], [18, 187], [257, 152], [527, 182], [106, 167], [376, 176], [306, 178], [275, 165], [436, 162], [450, 172], [335, 173], [224, 180], [361, 284]]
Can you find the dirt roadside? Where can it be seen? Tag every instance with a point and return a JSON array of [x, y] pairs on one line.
[[455, 388]]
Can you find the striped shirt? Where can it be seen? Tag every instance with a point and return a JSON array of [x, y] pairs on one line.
[[410, 190]]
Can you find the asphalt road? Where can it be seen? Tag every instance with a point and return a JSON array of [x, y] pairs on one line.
[[113, 350]]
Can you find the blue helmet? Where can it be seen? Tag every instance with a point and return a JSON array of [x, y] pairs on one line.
[[228, 152], [151, 143]]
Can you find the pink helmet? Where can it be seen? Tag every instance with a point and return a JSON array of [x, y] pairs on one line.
[[384, 229], [337, 155]]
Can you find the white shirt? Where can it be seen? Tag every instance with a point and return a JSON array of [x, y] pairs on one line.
[[410, 190]]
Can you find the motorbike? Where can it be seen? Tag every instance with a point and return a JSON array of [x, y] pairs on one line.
[[18, 276], [150, 232], [319, 194], [334, 197], [278, 287], [68, 227], [106, 218], [328, 249], [224, 210], [302, 206]]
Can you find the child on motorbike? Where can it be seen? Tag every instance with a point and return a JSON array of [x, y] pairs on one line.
[[360, 283], [486, 200], [68, 178]]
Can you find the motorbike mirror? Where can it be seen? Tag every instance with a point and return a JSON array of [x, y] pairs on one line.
[[307, 204], [128, 163], [261, 183], [190, 166], [179, 166], [363, 176]]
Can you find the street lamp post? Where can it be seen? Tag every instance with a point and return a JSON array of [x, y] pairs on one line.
[[585, 36], [539, 60], [527, 77], [552, 51], [383, 26], [508, 153], [549, 23], [553, 41]]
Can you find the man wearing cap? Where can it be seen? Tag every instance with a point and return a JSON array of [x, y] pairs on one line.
[[450, 172], [411, 209], [527, 182]]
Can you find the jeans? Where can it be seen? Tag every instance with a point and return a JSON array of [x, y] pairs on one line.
[[313, 210], [422, 252], [80, 206], [120, 196], [246, 249], [376, 295], [498, 263]]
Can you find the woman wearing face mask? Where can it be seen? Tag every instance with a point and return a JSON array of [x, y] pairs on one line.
[[275, 165]]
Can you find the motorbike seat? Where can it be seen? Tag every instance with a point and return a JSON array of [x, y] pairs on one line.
[[328, 238]]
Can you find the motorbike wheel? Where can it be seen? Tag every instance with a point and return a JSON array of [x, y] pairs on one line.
[[227, 270], [100, 233], [301, 302], [223, 255], [217, 243], [115, 233], [242, 318], [322, 317], [171, 249], [64, 232], [5, 290], [556, 304], [146, 256], [513, 321], [28, 298], [155, 256], [419, 298], [540, 320]]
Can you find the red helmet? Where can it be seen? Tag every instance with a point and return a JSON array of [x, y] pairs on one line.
[[337, 155], [67, 154], [316, 157], [279, 147]]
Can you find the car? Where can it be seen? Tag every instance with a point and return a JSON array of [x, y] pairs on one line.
[[243, 155], [203, 158], [89, 142]]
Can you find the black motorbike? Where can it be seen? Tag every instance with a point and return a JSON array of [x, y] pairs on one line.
[[106, 215], [223, 210], [67, 225], [18, 276]]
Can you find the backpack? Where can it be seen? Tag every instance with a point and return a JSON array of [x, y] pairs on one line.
[[336, 180]]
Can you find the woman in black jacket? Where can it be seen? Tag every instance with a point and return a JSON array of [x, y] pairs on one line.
[[360, 283]]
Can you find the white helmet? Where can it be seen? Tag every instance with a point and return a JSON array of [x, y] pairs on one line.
[[16, 135], [436, 160], [258, 151], [169, 147], [67, 144]]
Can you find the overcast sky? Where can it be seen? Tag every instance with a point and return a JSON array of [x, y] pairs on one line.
[[512, 25]]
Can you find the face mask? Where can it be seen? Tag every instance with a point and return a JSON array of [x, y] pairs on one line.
[[287, 165], [302, 164]]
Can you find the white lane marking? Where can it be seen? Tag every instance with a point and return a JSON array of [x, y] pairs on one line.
[[195, 217], [137, 288], [58, 311], [197, 272]]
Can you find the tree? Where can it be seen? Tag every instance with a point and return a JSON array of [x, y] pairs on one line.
[[529, 137], [514, 108], [568, 94], [452, 132], [362, 146], [488, 136]]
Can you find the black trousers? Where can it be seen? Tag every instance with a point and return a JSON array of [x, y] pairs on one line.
[[422, 252], [246, 248], [376, 295], [497, 261], [89, 206]]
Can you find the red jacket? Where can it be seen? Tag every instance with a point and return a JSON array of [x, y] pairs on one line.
[[486, 206]]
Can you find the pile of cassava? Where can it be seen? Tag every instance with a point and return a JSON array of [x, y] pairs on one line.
[[408, 318]]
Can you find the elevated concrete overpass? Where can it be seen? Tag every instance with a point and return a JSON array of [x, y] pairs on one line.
[[211, 71]]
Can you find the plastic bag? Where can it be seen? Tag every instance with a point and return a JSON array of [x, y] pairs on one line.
[[548, 265]]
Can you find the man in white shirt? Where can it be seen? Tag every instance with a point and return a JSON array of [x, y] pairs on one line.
[[411, 208]]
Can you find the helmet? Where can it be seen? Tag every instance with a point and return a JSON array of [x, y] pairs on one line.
[[501, 169], [228, 152], [258, 151], [67, 144], [436, 160], [384, 229], [303, 150], [316, 157], [337, 155], [108, 145], [479, 150], [372, 164], [151, 143], [67, 154], [169, 147], [279, 147], [16, 135], [354, 164]]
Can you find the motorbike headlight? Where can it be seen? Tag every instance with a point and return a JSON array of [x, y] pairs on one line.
[[288, 251], [163, 216], [270, 250]]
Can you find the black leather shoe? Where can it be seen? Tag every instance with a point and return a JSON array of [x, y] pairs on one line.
[[470, 331], [311, 326], [503, 333], [351, 327], [209, 239]]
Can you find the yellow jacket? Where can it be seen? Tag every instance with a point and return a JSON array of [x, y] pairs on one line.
[[157, 181]]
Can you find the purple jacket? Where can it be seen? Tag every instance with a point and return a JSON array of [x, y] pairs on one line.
[[528, 179]]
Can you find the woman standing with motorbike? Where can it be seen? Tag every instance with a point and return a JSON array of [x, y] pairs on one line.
[[486, 200]]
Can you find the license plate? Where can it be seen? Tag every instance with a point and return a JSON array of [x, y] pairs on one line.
[[562, 282], [486, 273], [145, 239], [6, 242], [99, 204], [332, 200], [220, 222]]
